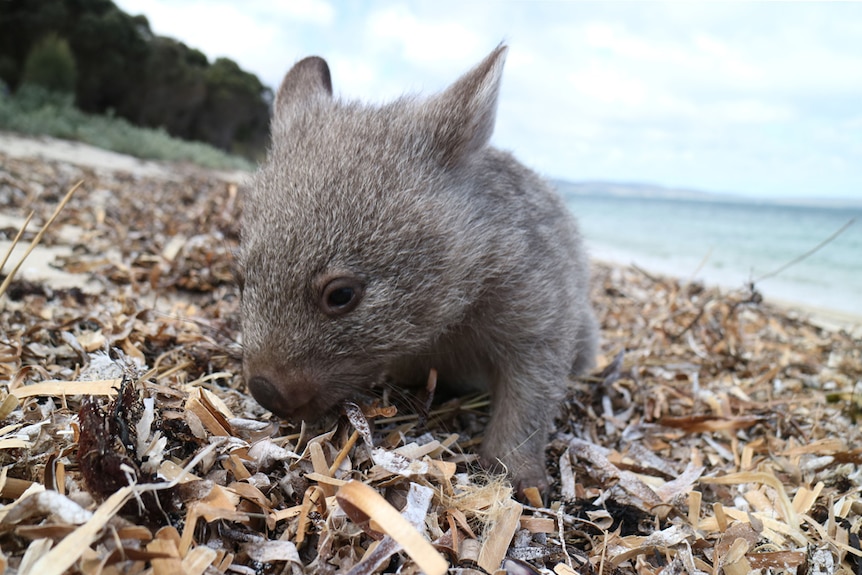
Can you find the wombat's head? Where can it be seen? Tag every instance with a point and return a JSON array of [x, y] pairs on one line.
[[357, 248]]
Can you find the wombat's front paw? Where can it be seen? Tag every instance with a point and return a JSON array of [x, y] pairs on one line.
[[523, 475], [531, 478]]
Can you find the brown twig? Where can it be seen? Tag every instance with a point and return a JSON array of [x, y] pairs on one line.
[[798, 259]]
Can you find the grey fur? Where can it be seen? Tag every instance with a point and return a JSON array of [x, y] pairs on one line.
[[463, 260]]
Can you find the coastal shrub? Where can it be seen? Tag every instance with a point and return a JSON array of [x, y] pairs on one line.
[[35, 110], [33, 98], [51, 65]]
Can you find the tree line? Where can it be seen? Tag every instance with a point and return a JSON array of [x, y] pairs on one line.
[[113, 64]]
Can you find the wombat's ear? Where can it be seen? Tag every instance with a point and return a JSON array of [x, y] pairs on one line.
[[463, 115], [308, 79]]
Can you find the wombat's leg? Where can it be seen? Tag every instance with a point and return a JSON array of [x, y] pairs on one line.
[[523, 407], [587, 347]]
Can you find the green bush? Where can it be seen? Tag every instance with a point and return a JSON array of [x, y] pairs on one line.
[[31, 98], [51, 65], [37, 111]]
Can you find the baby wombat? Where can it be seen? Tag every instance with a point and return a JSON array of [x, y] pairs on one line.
[[379, 242]]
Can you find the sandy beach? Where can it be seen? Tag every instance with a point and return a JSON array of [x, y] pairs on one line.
[[79, 154]]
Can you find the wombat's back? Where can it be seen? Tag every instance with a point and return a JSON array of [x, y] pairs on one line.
[[533, 298]]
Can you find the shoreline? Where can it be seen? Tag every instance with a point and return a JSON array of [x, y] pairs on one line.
[[831, 319], [827, 318]]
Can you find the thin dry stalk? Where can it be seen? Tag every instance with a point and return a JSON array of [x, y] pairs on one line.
[[37, 239]]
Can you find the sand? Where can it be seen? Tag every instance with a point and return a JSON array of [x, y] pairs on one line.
[[79, 154]]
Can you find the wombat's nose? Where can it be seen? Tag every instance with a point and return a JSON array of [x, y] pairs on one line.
[[267, 394]]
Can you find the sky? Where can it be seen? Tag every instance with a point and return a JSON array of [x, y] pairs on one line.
[[760, 99]]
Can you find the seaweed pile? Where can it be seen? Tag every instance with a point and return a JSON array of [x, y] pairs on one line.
[[717, 436]]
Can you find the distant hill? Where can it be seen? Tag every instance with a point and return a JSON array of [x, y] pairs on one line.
[[636, 190], [655, 192]]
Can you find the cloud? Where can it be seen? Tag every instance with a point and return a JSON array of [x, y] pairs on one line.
[[609, 86], [356, 77], [423, 41], [311, 11]]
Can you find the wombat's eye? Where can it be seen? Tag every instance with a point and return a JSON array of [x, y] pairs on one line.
[[340, 295]]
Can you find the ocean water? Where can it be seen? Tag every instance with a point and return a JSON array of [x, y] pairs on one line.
[[731, 244]]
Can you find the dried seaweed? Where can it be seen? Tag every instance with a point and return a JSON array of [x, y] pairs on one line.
[[718, 435]]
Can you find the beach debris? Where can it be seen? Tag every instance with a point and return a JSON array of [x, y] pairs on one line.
[[718, 435]]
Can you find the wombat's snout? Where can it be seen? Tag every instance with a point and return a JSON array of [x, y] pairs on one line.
[[282, 400], [266, 394]]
